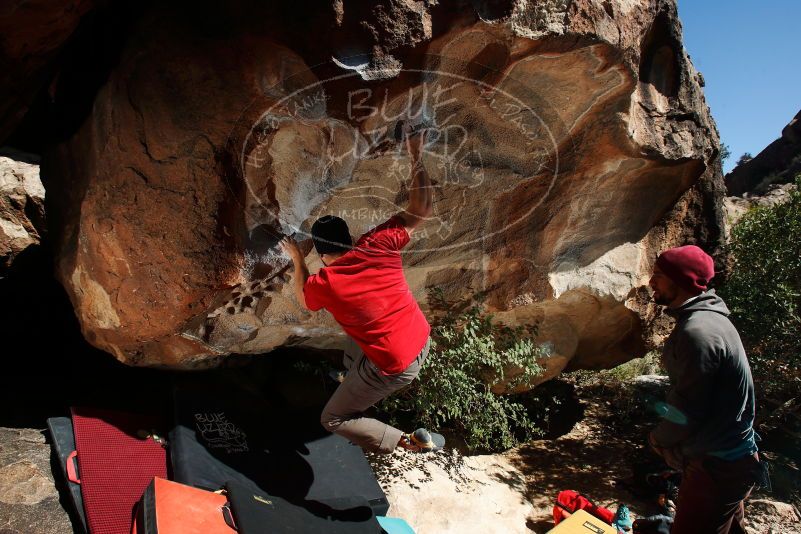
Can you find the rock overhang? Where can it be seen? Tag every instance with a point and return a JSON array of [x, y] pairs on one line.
[[572, 139]]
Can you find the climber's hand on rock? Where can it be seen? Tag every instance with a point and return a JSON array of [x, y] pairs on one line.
[[291, 249]]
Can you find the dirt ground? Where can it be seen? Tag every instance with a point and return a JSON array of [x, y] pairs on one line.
[[515, 491]]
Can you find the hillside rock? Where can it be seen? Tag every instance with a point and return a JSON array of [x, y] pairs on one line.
[[778, 163], [735, 207], [572, 143]]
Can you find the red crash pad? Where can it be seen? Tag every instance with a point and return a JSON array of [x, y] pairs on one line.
[[118, 458]]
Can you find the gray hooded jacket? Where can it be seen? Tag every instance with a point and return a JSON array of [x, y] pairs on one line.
[[712, 391]]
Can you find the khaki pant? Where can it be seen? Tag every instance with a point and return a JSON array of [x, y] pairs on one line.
[[364, 386]]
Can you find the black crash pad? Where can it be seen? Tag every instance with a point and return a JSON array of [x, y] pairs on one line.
[[228, 433], [258, 512]]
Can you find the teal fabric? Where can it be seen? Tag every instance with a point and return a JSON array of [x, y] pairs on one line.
[[394, 525], [622, 520], [670, 413], [747, 448]]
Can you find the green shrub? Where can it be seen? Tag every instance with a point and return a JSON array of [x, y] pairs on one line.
[[469, 354], [745, 158], [724, 153], [764, 290]]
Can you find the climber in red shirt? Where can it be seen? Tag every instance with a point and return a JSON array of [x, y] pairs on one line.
[[364, 288]]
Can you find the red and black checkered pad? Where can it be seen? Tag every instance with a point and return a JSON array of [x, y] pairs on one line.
[[116, 465]]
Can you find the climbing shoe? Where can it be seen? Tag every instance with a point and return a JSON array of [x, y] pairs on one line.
[[421, 440]]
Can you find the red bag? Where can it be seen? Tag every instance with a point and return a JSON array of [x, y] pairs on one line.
[[569, 501], [171, 508]]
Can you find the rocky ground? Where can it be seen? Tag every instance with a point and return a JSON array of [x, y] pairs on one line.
[[515, 491], [593, 438], [29, 499]]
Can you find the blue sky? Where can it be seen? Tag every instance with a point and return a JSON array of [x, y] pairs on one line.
[[750, 56]]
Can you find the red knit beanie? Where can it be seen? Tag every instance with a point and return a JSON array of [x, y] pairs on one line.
[[689, 267]]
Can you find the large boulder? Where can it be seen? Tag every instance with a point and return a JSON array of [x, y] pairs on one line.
[[571, 143], [22, 218]]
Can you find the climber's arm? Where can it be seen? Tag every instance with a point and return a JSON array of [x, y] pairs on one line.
[[291, 249], [421, 194]]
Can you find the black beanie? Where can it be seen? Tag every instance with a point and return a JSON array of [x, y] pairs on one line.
[[330, 235]]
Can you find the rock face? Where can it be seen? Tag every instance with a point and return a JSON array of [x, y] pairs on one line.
[[570, 143], [22, 217], [779, 163], [32, 33]]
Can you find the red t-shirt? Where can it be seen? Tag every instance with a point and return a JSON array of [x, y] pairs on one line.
[[367, 294]]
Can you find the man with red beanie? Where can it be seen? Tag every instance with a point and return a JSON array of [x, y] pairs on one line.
[[707, 427]]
